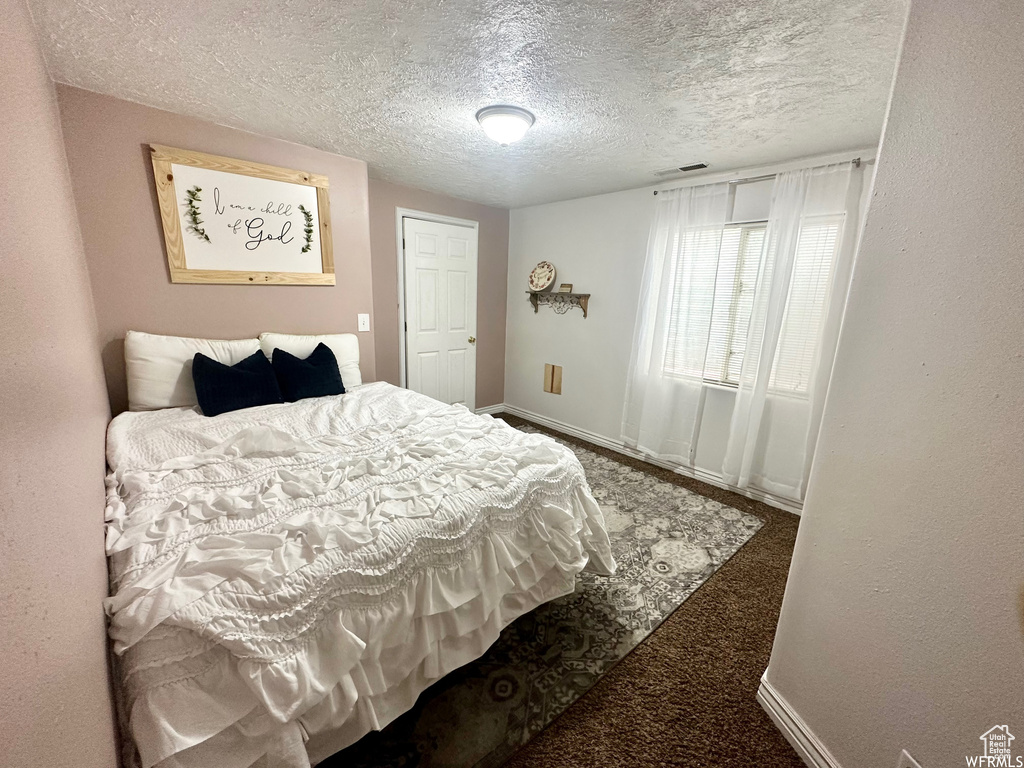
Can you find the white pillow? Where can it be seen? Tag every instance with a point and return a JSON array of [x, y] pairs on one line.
[[160, 367], [345, 347]]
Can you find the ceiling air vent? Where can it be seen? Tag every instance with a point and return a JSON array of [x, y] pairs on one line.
[[680, 169]]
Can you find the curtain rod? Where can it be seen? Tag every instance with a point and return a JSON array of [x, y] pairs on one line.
[[857, 162]]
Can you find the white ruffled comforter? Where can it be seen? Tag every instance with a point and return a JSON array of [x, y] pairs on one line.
[[310, 568]]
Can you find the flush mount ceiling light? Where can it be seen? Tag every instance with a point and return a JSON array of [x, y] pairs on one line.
[[505, 124]]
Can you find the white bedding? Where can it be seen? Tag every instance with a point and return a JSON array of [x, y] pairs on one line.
[[309, 568]]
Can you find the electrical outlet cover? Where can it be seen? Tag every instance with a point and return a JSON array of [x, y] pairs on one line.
[[364, 322], [906, 761]]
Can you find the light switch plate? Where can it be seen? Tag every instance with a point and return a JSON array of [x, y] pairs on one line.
[[906, 761], [364, 322]]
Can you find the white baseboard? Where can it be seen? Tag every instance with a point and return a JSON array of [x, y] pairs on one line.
[[807, 745], [618, 446], [491, 409]]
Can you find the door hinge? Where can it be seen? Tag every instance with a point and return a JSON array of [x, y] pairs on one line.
[[403, 243], [406, 327]]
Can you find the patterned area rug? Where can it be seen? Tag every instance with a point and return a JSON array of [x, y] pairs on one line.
[[667, 541]]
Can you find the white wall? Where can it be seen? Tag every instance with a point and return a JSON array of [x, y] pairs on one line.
[[599, 245], [903, 621]]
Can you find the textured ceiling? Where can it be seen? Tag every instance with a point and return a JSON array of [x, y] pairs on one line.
[[620, 89]]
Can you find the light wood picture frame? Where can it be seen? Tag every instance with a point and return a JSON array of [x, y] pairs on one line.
[[222, 211]]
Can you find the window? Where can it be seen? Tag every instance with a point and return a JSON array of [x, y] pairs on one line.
[[734, 299], [806, 304], [718, 277]]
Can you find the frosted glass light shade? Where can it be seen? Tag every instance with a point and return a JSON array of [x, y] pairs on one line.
[[505, 124]]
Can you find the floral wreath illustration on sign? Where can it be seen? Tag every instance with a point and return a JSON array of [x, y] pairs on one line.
[[308, 229], [192, 200]]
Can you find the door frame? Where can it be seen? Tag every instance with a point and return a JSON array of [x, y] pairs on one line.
[[410, 213]]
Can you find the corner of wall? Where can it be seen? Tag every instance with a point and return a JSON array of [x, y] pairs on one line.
[[54, 412]]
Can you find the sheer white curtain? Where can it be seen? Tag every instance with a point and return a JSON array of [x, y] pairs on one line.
[[674, 321], [794, 326]]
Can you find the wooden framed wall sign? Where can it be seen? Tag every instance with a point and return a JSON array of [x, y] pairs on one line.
[[232, 221]]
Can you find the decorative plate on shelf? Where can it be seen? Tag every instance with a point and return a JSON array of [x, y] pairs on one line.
[[542, 277]]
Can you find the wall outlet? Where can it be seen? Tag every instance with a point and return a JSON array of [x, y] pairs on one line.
[[906, 761], [364, 322], [553, 378]]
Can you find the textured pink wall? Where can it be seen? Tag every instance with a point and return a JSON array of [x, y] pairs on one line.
[[106, 141], [492, 280], [55, 706]]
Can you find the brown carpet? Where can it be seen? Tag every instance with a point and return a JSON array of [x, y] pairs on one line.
[[685, 695]]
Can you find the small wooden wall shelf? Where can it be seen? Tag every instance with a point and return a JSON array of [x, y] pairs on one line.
[[560, 302]]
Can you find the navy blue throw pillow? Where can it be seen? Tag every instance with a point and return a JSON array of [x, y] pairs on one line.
[[316, 376], [221, 388]]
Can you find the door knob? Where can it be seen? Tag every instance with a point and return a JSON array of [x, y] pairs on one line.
[[472, 339]]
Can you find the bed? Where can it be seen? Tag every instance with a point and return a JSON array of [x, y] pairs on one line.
[[286, 578]]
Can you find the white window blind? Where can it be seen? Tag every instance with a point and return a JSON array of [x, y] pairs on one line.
[[715, 273], [734, 300], [805, 306], [694, 265], [715, 276]]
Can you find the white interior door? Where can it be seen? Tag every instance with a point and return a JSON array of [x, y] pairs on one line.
[[440, 310]]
